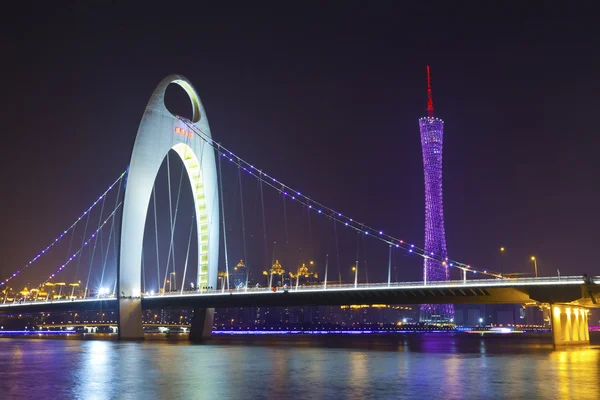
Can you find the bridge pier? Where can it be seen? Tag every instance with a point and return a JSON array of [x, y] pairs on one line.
[[569, 326], [202, 324], [130, 319]]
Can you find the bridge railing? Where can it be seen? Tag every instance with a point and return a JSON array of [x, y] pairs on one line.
[[362, 286], [59, 301]]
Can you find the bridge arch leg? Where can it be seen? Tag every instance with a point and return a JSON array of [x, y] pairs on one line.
[[130, 319], [202, 323], [569, 326]]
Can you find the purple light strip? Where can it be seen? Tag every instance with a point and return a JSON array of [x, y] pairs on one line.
[[36, 332], [34, 259], [331, 213], [316, 332]]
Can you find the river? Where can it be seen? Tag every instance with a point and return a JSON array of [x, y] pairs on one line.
[[414, 366]]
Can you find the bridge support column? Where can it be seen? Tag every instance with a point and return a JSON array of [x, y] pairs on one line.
[[130, 319], [202, 324], [569, 326]]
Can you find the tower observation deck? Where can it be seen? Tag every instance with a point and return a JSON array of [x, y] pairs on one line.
[[432, 139]]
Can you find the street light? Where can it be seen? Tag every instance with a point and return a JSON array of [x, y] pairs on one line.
[[355, 270], [501, 256], [480, 321], [534, 265]]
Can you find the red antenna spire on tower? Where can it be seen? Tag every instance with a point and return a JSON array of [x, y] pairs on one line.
[[429, 98]]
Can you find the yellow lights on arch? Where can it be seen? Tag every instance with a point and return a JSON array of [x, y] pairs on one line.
[[194, 170]]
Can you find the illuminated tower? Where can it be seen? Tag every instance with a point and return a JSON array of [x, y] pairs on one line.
[[435, 268]]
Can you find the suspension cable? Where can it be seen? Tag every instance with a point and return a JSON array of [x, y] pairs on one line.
[[110, 235], [223, 218], [156, 236], [113, 235], [356, 266], [71, 241], [87, 283], [262, 204], [171, 221], [396, 271], [59, 237], [310, 246], [174, 279], [85, 244], [326, 268], [79, 258], [337, 251], [171, 255], [348, 222], [390, 266], [187, 256], [68, 253], [243, 229], [284, 216], [116, 247], [365, 259]]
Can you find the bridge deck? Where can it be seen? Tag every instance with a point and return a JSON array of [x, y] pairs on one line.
[[483, 291]]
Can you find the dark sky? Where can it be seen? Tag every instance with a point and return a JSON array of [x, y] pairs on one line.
[[327, 98]]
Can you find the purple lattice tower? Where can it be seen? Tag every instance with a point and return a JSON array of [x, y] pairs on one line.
[[434, 269]]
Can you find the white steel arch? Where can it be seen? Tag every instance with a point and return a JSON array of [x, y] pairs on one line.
[[158, 133]]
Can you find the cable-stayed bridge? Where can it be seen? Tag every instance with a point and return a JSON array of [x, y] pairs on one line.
[[115, 256]]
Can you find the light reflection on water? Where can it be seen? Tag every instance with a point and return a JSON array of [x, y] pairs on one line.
[[415, 366]]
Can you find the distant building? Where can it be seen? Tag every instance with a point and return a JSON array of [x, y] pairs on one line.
[[435, 267], [238, 276]]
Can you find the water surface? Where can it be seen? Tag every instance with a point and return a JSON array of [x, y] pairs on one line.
[[425, 366]]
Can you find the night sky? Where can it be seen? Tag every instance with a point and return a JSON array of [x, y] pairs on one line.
[[327, 98]]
